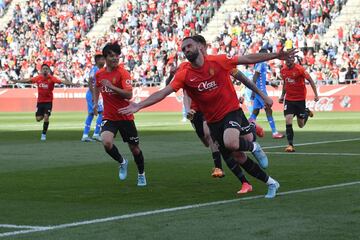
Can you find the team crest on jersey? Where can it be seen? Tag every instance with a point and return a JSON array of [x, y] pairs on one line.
[[211, 71], [114, 80]]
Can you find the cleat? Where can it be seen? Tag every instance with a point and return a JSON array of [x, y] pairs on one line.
[[43, 137], [278, 135], [259, 130], [217, 173], [86, 139], [260, 156], [141, 180], [123, 169], [97, 137], [309, 112], [272, 189], [245, 188], [290, 148]]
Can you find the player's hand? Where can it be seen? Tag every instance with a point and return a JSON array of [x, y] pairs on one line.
[[268, 102], [274, 84], [284, 55], [241, 100], [281, 100], [190, 114], [130, 109], [107, 83], [316, 98]]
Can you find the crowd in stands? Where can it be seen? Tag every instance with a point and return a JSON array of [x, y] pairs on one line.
[[149, 33], [294, 24], [48, 30], [3, 6]]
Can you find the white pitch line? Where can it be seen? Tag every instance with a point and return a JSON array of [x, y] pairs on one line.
[[314, 143], [20, 226], [167, 210], [308, 153]]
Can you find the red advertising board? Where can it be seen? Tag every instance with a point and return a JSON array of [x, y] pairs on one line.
[[332, 98]]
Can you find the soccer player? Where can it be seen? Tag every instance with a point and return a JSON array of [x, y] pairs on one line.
[[259, 79], [99, 64], [114, 84], [294, 92], [207, 82], [45, 82]]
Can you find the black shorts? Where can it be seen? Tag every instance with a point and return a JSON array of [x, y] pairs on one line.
[[295, 107], [235, 119], [126, 128], [43, 108], [198, 124]]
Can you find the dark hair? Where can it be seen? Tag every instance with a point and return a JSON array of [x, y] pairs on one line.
[[187, 38], [98, 56], [264, 50], [45, 64], [111, 47], [199, 38]]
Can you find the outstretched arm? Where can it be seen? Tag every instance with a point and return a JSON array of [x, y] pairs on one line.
[[25, 80], [263, 57], [281, 99], [152, 99], [313, 86], [238, 75]]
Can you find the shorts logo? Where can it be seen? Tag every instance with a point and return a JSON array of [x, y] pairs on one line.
[[103, 123], [234, 124], [285, 107]]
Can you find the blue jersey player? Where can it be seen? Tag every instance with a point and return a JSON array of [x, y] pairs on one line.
[[260, 71], [99, 63]]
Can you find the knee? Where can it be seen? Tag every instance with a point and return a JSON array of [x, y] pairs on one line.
[[231, 145], [107, 144], [135, 149]]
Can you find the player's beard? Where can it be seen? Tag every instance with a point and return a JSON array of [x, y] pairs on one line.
[[192, 56]]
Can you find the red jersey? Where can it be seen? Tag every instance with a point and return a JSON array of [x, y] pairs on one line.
[[294, 82], [45, 86], [120, 78], [210, 86]]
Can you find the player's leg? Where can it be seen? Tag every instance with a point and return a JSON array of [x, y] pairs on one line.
[[269, 115], [236, 170], [303, 114], [290, 111], [129, 134], [96, 135], [217, 170], [46, 111], [108, 133], [89, 118]]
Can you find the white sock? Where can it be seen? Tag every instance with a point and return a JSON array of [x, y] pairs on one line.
[[85, 136], [255, 147], [270, 181]]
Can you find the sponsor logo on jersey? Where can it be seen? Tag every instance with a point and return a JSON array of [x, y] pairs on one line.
[[207, 86]]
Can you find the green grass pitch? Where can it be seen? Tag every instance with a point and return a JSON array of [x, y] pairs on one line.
[[46, 185]]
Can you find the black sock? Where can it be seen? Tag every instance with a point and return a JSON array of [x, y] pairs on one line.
[[289, 134], [45, 127], [253, 130], [235, 169], [139, 160], [306, 115], [254, 170], [114, 153], [217, 159], [245, 145]]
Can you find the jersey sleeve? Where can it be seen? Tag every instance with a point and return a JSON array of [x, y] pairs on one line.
[[178, 81], [55, 79], [126, 80], [35, 79], [304, 73], [226, 62]]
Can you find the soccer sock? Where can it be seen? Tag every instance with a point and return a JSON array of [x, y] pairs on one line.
[[235, 169], [253, 130], [217, 159], [114, 153], [272, 124], [45, 127], [88, 124], [289, 134], [254, 170], [98, 124], [139, 160], [252, 117], [245, 145], [306, 116]]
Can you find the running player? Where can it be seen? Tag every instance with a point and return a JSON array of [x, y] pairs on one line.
[[207, 82], [45, 82], [99, 64], [115, 85], [294, 92], [259, 79]]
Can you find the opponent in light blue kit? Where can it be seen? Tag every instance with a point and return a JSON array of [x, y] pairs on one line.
[[99, 63], [248, 92], [260, 71]]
